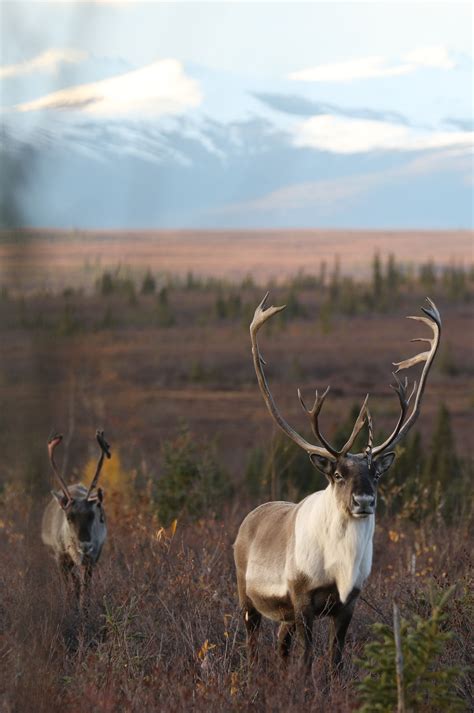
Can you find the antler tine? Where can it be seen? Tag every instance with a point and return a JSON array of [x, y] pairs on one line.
[[432, 311], [433, 321], [104, 452], [105, 447], [400, 389], [313, 414], [262, 314], [53, 441], [357, 427], [370, 442]]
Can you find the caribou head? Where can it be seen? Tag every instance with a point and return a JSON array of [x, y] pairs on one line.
[[83, 508], [353, 476]]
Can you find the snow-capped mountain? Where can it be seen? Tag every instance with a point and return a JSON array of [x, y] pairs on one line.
[[111, 145]]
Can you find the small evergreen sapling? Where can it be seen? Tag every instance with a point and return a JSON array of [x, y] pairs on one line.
[[428, 684]]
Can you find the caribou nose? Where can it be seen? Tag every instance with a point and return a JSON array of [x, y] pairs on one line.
[[364, 502], [86, 547]]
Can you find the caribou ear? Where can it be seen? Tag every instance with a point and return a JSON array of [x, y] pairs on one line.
[[324, 465], [383, 463], [62, 500]]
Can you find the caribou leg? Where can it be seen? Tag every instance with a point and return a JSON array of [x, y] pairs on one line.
[[304, 617], [338, 630], [285, 637], [252, 621], [85, 587], [70, 575]]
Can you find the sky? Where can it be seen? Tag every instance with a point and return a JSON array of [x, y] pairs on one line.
[[331, 90], [267, 39]]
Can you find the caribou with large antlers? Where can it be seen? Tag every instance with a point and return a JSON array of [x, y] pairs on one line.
[[74, 524], [295, 562]]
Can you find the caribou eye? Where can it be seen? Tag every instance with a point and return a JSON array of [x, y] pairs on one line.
[[338, 477]]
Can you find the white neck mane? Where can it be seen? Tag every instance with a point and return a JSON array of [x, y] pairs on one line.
[[331, 547]]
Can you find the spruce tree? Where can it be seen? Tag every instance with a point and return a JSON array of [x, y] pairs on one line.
[[149, 284], [430, 683], [442, 474], [443, 464], [377, 279], [335, 282], [192, 481], [427, 276], [393, 277], [402, 488]]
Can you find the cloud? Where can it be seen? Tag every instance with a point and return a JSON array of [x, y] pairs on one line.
[[449, 160], [466, 124], [301, 106], [327, 195], [157, 89], [437, 57], [323, 194], [47, 61], [376, 66], [349, 136], [364, 68]]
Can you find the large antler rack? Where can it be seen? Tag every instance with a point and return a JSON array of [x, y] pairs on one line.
[[433, 321], [262, 314]]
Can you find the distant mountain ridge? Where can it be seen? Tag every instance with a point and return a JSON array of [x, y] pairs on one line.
[[252, 154]]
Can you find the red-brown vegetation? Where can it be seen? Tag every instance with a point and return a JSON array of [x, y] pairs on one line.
[[163, 631]]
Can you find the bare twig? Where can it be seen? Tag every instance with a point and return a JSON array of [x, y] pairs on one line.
[[375, 609], [398, 659]]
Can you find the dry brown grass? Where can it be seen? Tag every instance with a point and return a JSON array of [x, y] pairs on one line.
[[164, 632], [156, 602], [139, 380]]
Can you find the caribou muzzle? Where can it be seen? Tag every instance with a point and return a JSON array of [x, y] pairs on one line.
[[362, 505], [86, 551]]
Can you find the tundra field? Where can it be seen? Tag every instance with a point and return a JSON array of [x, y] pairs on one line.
[[150, 342], [33, 259]]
